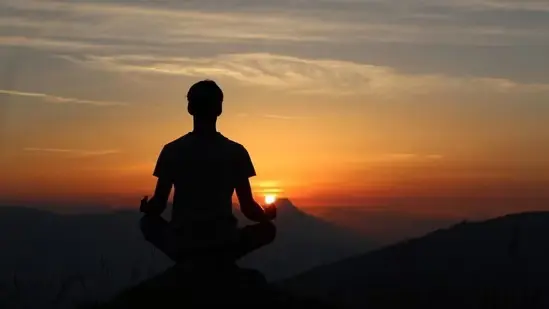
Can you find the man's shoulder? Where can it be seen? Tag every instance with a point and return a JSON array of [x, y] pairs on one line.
[[178, 142], [188, 140], [233, 145]]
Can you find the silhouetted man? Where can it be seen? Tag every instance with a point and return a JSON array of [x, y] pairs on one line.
[[205, 168]]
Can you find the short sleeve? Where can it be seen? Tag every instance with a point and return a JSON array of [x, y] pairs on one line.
[[164, 164], [245, 166]]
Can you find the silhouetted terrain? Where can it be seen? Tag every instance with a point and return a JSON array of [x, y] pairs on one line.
[[239, 288], [302, 242], [49, 258], [499, 263]]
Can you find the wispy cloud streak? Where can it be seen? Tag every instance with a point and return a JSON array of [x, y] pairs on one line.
[[403, 158], [316, 76], [282, 117], [77, 152], [508, 5], [58, 99]]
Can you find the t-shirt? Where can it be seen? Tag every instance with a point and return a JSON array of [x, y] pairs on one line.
[[204, 169]]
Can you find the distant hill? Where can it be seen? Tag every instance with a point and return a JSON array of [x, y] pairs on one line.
[[49, 256], [499, 263]]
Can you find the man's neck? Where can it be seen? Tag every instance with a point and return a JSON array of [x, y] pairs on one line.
[[204, 127]]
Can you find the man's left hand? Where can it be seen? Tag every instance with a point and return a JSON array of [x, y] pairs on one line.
[[270, 211]]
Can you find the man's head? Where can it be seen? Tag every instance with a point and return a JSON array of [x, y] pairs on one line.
[[205, 99]]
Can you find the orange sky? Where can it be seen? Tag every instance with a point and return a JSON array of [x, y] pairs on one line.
[[316, 157], [331, 113]]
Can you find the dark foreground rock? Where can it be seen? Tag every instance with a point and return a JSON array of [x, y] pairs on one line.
[[177, 288]]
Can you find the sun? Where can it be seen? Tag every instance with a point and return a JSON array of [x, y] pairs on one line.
[[270, 198]]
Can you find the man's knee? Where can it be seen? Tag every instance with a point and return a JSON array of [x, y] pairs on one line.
[[151, 227], [145, 227]]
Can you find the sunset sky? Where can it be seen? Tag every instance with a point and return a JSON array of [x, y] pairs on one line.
[[339, 102]]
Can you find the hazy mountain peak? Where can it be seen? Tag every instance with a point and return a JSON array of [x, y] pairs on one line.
[[285, 206]]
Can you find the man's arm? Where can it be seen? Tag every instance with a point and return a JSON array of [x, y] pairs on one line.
[[244, 170], [158, 203], [249, 207], [163, 171]]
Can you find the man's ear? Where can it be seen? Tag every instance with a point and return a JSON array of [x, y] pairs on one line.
[[190, 109]]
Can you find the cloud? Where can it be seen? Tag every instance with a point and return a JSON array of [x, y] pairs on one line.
[[172, 25], [282, 117], [44, 43], [309, 76], [411, 156], [402, 158], [435, 157], [271, 116], [77, 152], [142, 22], [509, 5], [57, 99]]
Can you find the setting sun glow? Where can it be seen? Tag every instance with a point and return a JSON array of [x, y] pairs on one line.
[[270, 198]]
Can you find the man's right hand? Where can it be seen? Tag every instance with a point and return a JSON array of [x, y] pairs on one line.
[[144, 207], [152, 206]]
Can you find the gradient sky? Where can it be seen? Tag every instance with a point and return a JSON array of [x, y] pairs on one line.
[[339, 102]]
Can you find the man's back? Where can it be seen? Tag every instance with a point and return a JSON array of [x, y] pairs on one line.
[[204, 169]]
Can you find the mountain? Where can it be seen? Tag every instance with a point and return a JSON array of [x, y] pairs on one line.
[[499, 263], [303, 241], [49, 258]]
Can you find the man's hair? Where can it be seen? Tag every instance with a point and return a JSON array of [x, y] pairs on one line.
[[205, 99]]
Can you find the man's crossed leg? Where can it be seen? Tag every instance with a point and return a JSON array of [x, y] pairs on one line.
[[171, 242]]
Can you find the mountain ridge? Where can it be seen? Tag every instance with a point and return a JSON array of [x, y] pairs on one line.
[[473, 264], [43, 248]]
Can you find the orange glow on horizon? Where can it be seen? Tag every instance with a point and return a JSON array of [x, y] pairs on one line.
[[323, 156]]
